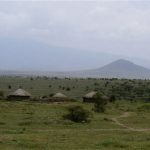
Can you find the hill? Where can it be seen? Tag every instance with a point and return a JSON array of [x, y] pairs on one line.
[[117, 69], [122, 69]]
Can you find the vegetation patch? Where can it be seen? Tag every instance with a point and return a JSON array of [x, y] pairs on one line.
[[100, 103], [2, 123], [25, 123], [39, 126], [144, 107], [78, 114], [112, 143], [30, 144]]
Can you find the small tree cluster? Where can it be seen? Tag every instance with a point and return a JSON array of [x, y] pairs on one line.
[[51, 95], [100, 103], [112, 98], [1, 94], [50, 86], [78, 114], [9, 87], [68, 89], [64, 88]]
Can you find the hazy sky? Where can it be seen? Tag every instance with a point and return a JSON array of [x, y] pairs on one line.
[[120, 27]]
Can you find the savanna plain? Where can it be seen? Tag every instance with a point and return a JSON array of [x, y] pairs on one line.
[[26, 125]]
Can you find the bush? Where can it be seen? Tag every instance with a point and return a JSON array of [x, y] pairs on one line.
[[9, 86], [112, 98], [78, 114], [51, 95], [68, 89], [145, 107], [1, 94], [34, 99], [100, 103], [44, 96], [31, 79]]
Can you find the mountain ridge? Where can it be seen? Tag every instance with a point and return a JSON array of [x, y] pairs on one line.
[[120, 68], [124, 64], [123, 69]]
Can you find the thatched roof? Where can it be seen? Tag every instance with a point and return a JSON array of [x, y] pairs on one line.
[[59, 95], [20, 92], [90, 95]]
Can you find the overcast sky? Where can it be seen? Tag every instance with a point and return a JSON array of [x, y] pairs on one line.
[[120, 27]]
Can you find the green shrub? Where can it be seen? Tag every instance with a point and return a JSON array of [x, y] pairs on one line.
[[68, 89], [100, 103], [112, 143], [112, 98], [1, 93], [145, 107], [51, 95], [78, 114], [9, 87]]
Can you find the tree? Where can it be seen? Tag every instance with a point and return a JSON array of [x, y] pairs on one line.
[[51, 95], [1, 93], [78, 114], [112, 98], [31, 79], [68, 89], [9, 86], [100, 103]]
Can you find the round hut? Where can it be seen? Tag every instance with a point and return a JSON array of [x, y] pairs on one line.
[[89, 98], [19, 94], [59, 97]]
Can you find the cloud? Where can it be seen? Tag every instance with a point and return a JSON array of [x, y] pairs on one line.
[[13, 23], [120, 27]]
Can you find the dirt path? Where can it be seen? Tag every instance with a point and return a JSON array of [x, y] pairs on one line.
[[125, 115], [115, 120]]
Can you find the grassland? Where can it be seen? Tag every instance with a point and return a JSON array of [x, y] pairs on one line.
[[40, 126], [77, 88], [28, 125]]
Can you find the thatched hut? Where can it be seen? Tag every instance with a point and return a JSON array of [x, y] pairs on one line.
[[89, 98], [19, 94], [60, 95]]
